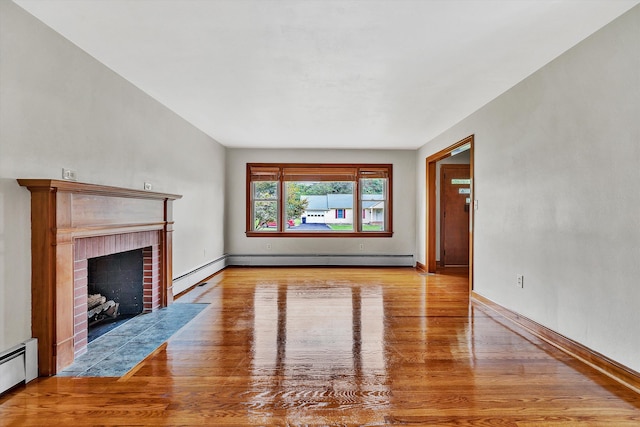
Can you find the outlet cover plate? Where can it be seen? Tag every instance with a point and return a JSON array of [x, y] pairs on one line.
[[69, 174]]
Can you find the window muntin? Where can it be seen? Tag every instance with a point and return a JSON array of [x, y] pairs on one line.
[[319, 200]]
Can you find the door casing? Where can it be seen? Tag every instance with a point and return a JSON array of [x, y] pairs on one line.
[[431, 204]]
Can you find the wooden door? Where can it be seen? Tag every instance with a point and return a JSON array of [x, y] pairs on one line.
[[455, 201]]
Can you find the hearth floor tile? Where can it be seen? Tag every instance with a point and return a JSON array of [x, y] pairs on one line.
[[106, 326], [116, 352]]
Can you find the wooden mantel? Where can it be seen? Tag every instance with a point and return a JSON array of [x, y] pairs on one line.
[[62, 211]]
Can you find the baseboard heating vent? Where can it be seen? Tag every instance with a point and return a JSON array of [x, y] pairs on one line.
[[18, 365]]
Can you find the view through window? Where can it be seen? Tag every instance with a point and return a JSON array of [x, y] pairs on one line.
[[318, 199]]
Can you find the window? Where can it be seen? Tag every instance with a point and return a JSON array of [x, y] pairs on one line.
[[264, 206], [304, 200]]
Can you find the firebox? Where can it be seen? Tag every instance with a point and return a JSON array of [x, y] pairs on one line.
[[115, 286]]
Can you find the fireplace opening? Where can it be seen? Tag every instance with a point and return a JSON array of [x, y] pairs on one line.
[[115, 290]]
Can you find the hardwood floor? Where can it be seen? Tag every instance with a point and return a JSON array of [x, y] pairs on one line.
[[339, 347]]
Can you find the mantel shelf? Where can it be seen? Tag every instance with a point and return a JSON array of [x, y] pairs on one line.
[[85, 188]]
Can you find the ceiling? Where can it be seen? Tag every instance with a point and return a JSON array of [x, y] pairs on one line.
[[389, 74]]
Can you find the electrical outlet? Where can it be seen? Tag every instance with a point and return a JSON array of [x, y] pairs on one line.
[[268, 246], [69, 174], [520, 280], [148, 186], [475, 205], [361, 246]]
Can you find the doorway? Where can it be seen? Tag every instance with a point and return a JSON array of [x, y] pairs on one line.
[[432, 213], [455, 200]]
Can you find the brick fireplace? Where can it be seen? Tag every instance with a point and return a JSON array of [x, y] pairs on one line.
[[101, 246], [73, 222]]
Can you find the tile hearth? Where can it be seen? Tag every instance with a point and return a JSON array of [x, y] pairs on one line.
[[119, 350]]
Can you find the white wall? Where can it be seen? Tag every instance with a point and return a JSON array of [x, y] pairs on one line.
[[556, 175], [61, 108], [402, 242]]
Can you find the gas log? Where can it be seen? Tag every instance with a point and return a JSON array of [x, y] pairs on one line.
[[99, 308]]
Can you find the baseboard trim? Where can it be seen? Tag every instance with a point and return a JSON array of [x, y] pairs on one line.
[[195, 285], [622, 374], [190, 279], [299, 260], [421, 267]]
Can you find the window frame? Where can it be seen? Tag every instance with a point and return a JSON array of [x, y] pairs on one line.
[[282, 172]]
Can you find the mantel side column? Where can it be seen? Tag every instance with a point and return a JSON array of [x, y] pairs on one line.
[[43, 277], [167, 254], [64, 342]]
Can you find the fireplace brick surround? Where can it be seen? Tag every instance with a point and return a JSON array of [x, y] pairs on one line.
[[93, 247], [72, 222]]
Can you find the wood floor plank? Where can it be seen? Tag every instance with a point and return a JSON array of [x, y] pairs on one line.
[[337, 347]]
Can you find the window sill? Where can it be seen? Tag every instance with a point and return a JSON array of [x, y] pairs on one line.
[[319, 234]]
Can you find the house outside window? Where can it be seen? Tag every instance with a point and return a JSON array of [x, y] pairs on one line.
[[303, 200]]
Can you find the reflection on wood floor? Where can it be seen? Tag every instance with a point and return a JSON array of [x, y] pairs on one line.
[[337, 346]]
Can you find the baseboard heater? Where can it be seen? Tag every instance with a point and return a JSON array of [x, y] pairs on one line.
[[18, 365], [342, 260]]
